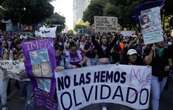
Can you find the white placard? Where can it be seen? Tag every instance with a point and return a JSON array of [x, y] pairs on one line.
[[12, 69], [14, 66], [105, 23], [127, 33], [46, 32], [150, 21]]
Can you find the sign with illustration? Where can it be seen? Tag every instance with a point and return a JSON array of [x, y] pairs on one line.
[[40, 63], [150, 21]]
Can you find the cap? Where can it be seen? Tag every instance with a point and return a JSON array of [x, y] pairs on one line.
[[134, 36], [131, 52]]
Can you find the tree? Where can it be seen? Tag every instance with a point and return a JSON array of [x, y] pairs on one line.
[[70, 33], [168, 9], [94, 9], [167, 14], [1, 13], [2, 9], [28, 11], [81, 25], [56, 19], [118, 8]]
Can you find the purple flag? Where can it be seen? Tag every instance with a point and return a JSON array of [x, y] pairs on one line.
[[40, 64]]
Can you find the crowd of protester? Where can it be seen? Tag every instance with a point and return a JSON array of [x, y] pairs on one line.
[[76, 51], [113, 48]]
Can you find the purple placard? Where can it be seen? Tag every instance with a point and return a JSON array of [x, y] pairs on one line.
[[40, 63], [44, 99]]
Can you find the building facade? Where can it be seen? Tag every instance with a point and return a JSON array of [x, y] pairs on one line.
[[79, 6]]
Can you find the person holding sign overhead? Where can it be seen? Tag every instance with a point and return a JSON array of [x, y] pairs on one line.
[[104, 48], [156, 56]]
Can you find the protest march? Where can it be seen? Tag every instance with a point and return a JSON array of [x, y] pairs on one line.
[[110, 64]]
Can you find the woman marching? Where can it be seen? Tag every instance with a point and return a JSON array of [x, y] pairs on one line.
[[156, 56]]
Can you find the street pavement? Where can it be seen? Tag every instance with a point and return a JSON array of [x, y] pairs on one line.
[[166, 103]]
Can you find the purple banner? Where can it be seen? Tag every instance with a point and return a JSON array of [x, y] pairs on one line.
[[44, 99], [40, 64]]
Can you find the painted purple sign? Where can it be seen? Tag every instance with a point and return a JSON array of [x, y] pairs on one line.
[[43, 99], [40, 63]]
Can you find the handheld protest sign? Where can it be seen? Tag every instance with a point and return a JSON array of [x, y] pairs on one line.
[[105, 24], [13, 68], [150, 22], [46, 32], [40, 62]]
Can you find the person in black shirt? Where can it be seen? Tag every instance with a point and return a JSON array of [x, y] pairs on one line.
[[104, 48], [90, 52], [170, 53], [170, 60], [156, 56], [132, 58]]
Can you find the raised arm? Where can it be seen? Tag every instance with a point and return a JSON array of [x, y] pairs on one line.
[[95, 43], [113, 41], [149, 58]]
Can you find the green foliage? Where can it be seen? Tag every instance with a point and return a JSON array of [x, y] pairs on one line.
[[94, 9], [168, 9], [1, 13], [56, 19], [118, 8], [70, 33], [81, 25], [27, 11]]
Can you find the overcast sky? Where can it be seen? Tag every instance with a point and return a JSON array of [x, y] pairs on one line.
[[65, 8]]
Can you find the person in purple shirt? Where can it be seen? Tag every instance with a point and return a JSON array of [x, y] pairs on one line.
[[74, 58]]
